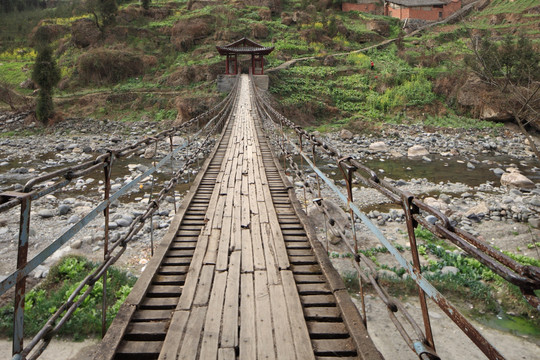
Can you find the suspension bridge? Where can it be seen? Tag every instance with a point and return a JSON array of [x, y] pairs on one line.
[[240, 274]]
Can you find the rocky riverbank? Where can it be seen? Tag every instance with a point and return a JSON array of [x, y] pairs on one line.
[[72, 142]]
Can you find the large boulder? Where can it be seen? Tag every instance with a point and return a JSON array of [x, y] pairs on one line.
[[84, 33], [513, 179], [417, 151]]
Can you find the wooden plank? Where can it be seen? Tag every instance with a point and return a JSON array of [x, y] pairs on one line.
[[152, 315], [282, 259], [205, 285], [140, 348], [282, 325], [174, 336], [211, 251], [192, 337], [192, 278], [226, 354], [269, 257], [229, 334], [302, 342], [146, 329], [248, 336], [223, 246], [247, 251], [212, 324], [236, 241], [259, 262], [265, 339]]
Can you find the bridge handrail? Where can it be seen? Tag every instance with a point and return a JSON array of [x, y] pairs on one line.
[[526, 277], [219, 113]]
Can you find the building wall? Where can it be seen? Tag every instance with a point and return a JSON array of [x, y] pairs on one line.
[[369, 8], [429, 13]]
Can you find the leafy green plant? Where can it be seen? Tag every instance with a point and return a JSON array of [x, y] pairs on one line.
[[63, 279]]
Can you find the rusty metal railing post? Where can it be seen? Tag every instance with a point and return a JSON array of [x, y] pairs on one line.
[[301, 168], [106, 213], [347, 170], [22, 257], [20, 287], [410, 209]]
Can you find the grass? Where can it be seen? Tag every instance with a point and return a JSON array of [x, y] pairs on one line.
[[15, 72], [43, 301], [473, 283]]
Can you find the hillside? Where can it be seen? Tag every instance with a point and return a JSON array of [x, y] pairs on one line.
[[161, 63]]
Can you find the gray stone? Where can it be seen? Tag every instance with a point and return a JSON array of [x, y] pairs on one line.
[[431, 219], [346, 134], [498, 171], [426, 159], [4, 230], [470, 166], [112, 225], [449, 270], [534, 222], [73, 219], [76, 244], [46, 213], [535, 201], [123, 222], [63, 209]]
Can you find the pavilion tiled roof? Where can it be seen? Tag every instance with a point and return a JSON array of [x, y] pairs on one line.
[[244, 46]]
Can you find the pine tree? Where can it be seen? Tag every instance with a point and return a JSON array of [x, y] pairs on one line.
[[47, 75], [146, 4]]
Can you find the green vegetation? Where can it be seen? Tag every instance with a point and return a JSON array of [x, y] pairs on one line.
[[44, 300], [168, 48]]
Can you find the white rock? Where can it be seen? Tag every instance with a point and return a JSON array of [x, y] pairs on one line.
[[514, 179], [378, 146], [417, 151]]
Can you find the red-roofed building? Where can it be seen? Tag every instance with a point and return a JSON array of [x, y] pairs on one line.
[[430, 10]]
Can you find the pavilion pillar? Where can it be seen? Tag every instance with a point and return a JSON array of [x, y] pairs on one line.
[[227, 65]]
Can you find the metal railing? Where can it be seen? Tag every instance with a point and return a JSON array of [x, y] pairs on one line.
[[526, 277], [112, 251]]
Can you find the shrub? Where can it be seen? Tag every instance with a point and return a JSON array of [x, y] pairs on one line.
[[109, 66]]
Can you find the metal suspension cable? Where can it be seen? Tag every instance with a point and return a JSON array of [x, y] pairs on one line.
[[217, 115], [527, 278]]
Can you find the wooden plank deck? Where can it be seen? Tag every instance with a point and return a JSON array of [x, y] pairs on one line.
[[240, 274], [242, 241]]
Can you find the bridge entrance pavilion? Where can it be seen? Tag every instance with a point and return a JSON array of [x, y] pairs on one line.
[[244, 46]]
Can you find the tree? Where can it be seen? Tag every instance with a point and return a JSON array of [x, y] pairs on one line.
[[103, 11], [146, 4], [47, 75], [513, 69]]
